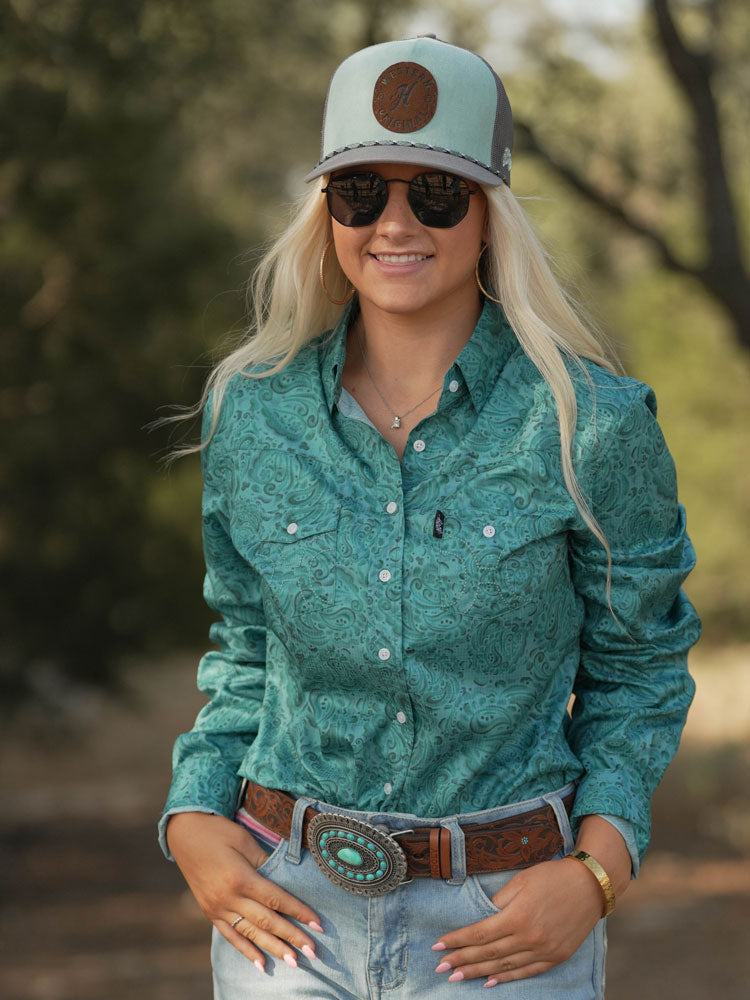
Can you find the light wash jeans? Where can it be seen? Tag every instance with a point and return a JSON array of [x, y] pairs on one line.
[[380, 947]]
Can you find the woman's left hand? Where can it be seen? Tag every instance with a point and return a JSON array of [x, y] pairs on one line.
[[547, 912]]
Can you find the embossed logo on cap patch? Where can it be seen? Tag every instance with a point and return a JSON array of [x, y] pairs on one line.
[[405, 97]]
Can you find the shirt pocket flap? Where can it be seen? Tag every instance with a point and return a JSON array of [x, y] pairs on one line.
[[297, 527]]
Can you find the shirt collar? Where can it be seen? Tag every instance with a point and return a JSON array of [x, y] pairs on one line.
[[479, 363], [485, 353]]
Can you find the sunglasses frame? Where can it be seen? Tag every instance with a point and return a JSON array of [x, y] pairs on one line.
[[400, 180]]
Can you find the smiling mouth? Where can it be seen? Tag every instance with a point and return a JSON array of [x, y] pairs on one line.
[[401, 258]]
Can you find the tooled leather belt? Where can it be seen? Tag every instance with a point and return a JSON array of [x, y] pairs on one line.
[[360, 857]]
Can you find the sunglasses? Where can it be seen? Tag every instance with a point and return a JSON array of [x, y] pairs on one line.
[[437, 200]]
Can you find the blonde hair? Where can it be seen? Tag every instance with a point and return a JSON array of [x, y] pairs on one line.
[[288, 308]]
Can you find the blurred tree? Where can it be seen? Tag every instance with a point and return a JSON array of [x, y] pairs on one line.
[[140, 143], [705, 58]]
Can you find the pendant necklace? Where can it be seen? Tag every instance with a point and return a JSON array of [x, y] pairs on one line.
[[396, 418]]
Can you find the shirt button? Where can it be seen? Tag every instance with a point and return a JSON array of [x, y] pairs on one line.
[[401, 716], [387, 788], [488, 530], [292, 527], [453, 385], [391, 507], [419, 445], [385, 575], [384, 654]]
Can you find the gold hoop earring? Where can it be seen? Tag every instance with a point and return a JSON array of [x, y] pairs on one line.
[[482, 289], [336, 302]]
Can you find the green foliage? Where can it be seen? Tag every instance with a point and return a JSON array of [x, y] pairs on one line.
[[141, 143]]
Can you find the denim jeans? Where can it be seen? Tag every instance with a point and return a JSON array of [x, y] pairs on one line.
[[380, 946]]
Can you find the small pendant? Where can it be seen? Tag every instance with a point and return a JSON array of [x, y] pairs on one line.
[[396, 422]]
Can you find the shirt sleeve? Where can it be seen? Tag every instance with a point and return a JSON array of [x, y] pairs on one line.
[[205, 761], [632, 689]]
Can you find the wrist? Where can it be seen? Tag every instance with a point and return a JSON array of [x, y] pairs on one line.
[[601, 876], [602, 841]]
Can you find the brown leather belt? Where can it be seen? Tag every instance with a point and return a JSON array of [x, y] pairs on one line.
[[518, 841]]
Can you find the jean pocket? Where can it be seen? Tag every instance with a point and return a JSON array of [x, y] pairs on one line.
[[483, 887], [273, 858]]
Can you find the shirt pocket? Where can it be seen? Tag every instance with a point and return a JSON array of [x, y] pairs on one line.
[[296, 558], [487, 562]]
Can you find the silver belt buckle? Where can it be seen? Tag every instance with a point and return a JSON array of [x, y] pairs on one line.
[[354, 855]]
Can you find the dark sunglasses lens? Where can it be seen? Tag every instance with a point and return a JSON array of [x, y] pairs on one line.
[[357, 199], [439, 200]]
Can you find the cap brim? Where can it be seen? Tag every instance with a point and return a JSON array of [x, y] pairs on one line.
[[413, 155]]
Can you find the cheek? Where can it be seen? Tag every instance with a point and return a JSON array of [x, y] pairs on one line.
[[348, 247]]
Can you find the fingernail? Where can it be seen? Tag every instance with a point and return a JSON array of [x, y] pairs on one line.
[[456, 977], [443, 967], [490, 982], [315, 926], [439, 946], [307, 950], [259, 966], [290, 960]]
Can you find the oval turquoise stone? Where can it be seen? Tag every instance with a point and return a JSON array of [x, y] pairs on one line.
[[349, 856]]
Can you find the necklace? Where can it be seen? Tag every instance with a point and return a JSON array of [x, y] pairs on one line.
[[396, 418]]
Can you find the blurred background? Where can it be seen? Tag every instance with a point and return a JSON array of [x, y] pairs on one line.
[[148, 148]]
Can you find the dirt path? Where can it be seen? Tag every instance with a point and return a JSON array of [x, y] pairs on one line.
[[90, 911]]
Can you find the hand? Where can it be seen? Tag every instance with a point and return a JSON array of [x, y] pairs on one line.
[[547, 912], [218, 859]]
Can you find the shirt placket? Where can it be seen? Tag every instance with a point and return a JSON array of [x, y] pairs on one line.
[[388, 633]]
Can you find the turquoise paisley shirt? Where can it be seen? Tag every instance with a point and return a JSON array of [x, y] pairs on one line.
[[406, 636]]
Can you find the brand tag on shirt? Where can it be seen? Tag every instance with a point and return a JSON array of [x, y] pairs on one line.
[[437, 524]]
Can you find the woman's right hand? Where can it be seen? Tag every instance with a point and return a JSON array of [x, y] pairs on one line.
[[218, 859]]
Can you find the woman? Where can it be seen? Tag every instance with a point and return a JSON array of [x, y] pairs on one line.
[[433, 511]]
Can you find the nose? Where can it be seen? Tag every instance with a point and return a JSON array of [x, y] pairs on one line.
[[397, 214]]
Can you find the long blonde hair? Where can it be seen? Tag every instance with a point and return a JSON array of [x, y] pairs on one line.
[[288, 308]]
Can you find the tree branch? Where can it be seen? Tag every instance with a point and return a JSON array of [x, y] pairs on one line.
[[692, 71], [592, 193]]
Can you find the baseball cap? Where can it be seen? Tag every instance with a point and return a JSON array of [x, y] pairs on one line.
[[422, 101]]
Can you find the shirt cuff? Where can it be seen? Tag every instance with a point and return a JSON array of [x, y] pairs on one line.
[[625, 828]]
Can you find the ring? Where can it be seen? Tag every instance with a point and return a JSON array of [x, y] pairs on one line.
[[236, 921]]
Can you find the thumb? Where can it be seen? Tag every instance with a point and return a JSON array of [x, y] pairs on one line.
[[252, 850]]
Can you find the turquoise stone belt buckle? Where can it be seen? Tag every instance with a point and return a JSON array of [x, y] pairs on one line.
[[354, 855]]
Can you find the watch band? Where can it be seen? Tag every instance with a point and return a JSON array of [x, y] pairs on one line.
[[601, 877]]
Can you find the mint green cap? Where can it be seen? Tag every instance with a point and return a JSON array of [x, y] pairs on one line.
[[418, 101]]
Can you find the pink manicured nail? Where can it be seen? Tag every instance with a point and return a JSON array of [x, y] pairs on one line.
[[315, 926], [490, 982], [290, 960], [307, 950], [259, 966], [439, 946], [443, 967], [456, 977]]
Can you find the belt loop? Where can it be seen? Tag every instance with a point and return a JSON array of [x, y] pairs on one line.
[[555, 802], [458, 852], [294, 851]]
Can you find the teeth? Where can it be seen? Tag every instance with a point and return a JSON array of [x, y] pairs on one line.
[[401, 258]]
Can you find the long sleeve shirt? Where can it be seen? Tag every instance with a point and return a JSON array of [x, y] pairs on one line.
[[406, 636]]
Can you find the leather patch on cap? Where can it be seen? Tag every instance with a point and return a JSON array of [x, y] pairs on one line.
[[405, 97]]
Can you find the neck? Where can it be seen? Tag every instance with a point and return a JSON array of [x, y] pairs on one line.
[[409, 355]]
